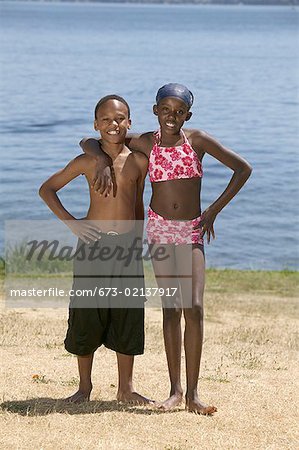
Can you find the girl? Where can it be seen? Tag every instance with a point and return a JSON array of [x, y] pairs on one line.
[[175, 219]]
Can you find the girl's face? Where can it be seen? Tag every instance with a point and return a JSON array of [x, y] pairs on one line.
[[172, 113]]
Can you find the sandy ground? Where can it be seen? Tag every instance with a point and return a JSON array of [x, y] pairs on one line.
[[248, 371]]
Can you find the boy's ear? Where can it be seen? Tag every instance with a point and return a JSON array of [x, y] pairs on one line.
[[189, 115], [130, 123], [155, 110], [95, 125]]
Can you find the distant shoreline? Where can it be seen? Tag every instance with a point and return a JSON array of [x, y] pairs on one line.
[[177, 2]]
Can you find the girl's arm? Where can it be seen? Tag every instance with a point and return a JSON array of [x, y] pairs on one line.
[[92, 147], [48, 192], [241, 172], [102, 181]]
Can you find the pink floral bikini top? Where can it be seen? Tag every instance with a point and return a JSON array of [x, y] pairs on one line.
[[173, 163]]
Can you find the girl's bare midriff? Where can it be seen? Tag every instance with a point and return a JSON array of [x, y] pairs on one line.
[[177, 199]]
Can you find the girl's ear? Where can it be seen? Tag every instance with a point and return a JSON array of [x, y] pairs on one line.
[[95, 125], [189, 115], [155, 110]]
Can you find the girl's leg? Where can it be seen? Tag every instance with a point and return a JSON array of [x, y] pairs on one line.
[[165, 272], [193, 337], [85, 385]]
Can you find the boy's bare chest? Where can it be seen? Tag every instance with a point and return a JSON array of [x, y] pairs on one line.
[[124, 171]]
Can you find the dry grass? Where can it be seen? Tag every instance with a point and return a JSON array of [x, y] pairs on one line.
[[248, 372]]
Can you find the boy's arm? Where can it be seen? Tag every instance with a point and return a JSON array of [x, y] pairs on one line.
[[230, 159], [48, 192]]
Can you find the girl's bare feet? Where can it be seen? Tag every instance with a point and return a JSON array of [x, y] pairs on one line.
[[172, 402], [196, 406]]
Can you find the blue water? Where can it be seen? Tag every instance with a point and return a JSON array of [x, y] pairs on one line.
[[241, 62]]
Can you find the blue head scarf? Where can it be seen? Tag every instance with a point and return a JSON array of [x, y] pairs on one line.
[[175, 90]]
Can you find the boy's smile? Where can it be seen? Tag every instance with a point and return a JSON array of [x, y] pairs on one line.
[[112, 121], [172, 113]]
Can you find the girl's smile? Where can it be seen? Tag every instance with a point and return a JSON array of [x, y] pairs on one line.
[[172, 113]]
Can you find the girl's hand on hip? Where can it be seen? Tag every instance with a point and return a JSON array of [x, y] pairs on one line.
[[207, 223]]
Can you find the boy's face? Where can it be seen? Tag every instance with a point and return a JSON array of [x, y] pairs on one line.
[[172, 113], [112, 121]]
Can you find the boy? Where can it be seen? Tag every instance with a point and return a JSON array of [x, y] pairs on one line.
[[120, 329]]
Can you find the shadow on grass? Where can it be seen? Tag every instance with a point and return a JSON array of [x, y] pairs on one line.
[[45, 406]]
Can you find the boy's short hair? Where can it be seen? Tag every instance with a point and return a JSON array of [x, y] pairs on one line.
[[111, 97]]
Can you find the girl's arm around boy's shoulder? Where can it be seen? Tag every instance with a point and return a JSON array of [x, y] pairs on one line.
[[135, 141], [141, 142], [203, 143], [102, 178]]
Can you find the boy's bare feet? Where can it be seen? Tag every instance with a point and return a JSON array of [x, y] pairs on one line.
[[79, 397], [172, 402], [133, 398], [196, 406]]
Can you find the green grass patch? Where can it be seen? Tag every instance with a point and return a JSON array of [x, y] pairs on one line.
[[18, 263], [2, 267], [284, 282]]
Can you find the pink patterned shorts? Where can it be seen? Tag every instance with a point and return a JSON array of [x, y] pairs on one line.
[[167, 231]]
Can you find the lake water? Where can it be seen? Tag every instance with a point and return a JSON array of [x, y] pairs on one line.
[[241, 62]]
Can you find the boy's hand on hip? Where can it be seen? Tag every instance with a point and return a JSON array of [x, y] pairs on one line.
[[84, 229]]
